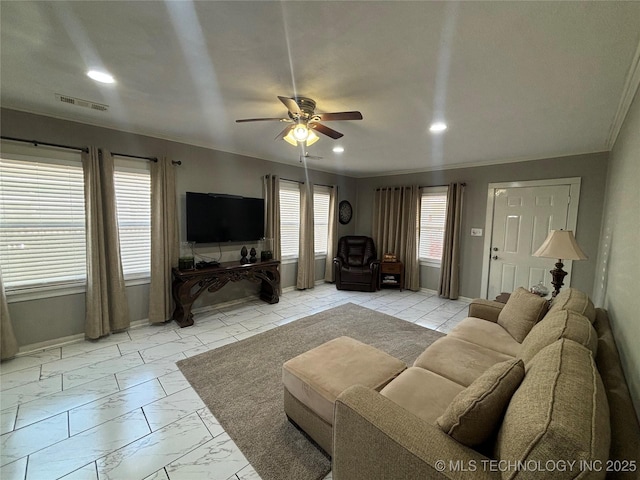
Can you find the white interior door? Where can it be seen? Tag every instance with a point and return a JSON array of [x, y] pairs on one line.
[[522, 219]]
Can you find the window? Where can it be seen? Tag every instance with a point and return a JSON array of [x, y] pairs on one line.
[[321, 197], [433, 211], [42, 217], [289, 218], [133, 198]]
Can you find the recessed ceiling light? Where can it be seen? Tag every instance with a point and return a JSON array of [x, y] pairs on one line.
[[338, 149], [102, 77], [438, 127]]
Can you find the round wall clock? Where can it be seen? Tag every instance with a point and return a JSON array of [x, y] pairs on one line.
[[345, 212]]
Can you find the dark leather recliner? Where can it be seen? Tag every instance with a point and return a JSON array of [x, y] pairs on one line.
[[356, 266]]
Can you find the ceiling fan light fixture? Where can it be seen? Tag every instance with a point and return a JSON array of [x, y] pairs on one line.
[[300, 132], [290, 139], [338, 149], [312, 138]]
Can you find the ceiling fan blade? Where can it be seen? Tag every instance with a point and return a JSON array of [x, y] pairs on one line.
[[291, 105], [327, 117], [283, 133], [263, 120], [329, 132]]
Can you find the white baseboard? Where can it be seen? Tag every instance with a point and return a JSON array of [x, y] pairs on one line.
[[55, 343], [435, 292], [61, 342]]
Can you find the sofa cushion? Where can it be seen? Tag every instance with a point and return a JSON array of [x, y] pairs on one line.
[[557, 325], [475, 413], [423, 393], [458, 360], [486, 334], [576, 301], [559, 413], [522, 311]]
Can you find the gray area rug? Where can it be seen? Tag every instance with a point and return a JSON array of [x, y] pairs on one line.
[[241, 383]]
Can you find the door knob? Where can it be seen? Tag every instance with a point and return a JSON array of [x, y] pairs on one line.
[[495, 249], [495, 257]]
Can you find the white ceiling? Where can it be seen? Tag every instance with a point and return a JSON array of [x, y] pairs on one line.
[[514, 80]]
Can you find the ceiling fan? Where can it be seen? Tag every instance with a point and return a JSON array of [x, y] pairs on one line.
[[304, 122]]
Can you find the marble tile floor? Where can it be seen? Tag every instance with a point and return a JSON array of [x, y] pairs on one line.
[[119, 408]]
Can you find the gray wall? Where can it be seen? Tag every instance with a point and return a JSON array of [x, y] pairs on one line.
[[592, 168], [202, 170], [618, 274]]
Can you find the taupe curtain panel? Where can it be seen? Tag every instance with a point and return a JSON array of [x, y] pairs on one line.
[[8, 343], [332, 235], [395, 228], [306, 250], [164, 239], [107, 309], [450, 267], [272, 215]]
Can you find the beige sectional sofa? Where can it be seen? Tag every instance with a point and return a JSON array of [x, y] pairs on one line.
[[455, 414]]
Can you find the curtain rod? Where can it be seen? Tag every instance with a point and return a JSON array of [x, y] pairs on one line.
[[151, 159], [48, 144], [427, 186], [302, 183], [419, 186], [80, 149]]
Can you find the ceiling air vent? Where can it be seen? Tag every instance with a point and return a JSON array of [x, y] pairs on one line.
[[82, 103]]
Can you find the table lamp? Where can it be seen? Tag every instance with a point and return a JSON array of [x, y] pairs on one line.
[[560, 244]]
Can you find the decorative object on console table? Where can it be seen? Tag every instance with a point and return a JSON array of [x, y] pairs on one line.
[[540, 289], [188, 285], [389, 257], [266, 252], [560, 244], [252, 253], [243, 259], [392, 275], [186, 261]]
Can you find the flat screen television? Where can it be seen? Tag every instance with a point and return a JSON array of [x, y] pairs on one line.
[[214, 218]]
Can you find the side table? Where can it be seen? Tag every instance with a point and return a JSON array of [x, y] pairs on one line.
[[392, 275]]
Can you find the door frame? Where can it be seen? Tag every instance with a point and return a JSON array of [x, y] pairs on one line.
[[572, 218]]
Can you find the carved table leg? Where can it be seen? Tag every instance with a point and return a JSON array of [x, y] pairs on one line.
[[182, 313], [269, 288]]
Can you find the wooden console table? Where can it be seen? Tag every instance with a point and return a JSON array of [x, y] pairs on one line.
[[189, 284]]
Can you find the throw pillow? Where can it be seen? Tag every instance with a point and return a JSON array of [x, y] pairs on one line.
[[576, 301], [560, 411], [522, 311], [475, 413], [557, 325]]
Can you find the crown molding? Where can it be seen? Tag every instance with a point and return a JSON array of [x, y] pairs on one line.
[[628, 93], [485, 163]]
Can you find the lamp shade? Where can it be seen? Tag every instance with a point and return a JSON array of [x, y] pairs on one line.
[[560, 244]]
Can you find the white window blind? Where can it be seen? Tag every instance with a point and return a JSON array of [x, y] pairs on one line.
[[433, 211], [42, 218], [320, 218], [289, 218], [133, 198]]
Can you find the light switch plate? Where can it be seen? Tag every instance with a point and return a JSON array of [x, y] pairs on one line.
[[476, 232]]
